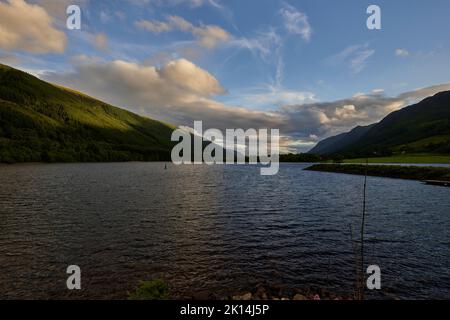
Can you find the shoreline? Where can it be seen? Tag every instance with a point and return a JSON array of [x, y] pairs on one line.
[[387, 171]]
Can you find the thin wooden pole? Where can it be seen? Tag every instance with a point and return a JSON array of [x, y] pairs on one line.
[[362, 231]]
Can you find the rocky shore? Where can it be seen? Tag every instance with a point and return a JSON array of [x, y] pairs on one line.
[[276, 293]]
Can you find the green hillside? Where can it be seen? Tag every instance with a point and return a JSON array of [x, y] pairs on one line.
[[43, 122], [422, 128], [340, 141]]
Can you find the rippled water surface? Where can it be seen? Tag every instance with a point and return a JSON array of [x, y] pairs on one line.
[[213, 231]]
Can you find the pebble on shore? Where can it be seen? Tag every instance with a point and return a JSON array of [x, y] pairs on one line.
[[263, 293]]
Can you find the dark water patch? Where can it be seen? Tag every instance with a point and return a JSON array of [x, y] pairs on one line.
[[215, 230]]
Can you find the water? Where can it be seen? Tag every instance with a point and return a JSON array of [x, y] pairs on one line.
[[214, 231]]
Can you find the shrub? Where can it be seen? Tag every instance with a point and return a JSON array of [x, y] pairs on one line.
[[155, 289]]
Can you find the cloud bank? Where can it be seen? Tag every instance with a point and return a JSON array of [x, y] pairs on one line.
[[181, 92]]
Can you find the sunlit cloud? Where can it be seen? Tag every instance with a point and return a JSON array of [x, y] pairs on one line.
[[208, 36], [29, 28]]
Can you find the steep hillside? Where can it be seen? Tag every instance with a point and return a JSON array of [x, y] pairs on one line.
[[43, 122], [336, 143], [421, 128]]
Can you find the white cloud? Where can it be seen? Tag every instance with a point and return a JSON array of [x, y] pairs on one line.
[[296, 22], [270, 96], [401, 52], [265, 44], [359, 62], [208, 36], [185, 74], [355, 56], [346, 111], [154, 26], [29, 28]]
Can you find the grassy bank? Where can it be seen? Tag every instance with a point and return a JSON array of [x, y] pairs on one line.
[[398, 172], [412, 158]]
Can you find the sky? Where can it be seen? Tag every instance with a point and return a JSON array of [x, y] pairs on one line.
[[310, 68]]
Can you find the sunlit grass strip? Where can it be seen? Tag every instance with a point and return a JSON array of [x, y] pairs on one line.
[[398, 172], [418, 159]]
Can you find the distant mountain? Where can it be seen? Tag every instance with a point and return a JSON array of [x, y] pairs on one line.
[[334, 144], [43, 122], [420, 128]]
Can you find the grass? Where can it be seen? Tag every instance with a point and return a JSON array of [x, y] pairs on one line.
[[411, 158], [155, 289], [41, 122], [398, 172], [423, 143]]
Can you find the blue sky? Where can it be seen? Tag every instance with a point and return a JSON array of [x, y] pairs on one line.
[[311, 68]]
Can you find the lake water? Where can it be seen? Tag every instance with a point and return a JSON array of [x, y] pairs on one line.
[[212, 231]]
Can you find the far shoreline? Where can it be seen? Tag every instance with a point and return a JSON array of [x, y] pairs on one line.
[[411, 172]]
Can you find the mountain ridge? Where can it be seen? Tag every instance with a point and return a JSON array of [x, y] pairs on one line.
[[423, 127]]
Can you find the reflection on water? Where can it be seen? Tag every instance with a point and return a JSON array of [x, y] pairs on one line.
[[213, 231]]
